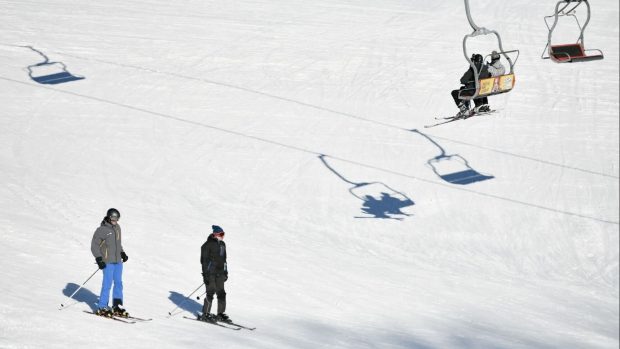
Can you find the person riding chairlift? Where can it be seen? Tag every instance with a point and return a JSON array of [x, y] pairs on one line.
[[468, 88], [496, 68]]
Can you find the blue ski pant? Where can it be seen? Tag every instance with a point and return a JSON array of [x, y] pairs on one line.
[[112, 273]]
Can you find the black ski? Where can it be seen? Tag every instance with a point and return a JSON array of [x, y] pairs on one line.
[[138, 318], [213, 323], [447, 119], [112, 318], [241, 326]]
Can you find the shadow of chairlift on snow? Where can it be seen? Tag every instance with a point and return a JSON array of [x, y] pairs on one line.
[[379, 200], [452, 168], [50, 73]]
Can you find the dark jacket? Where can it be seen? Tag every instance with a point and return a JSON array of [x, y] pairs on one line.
[[468, 79], [213, 257]]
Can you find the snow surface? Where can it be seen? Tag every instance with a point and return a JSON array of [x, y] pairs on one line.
[[298, 127]]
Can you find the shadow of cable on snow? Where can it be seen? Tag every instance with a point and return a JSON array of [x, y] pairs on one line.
[[50, 73], [308, 151], [84, 295], [378, 199], [181, 301], [309, 334], [333, 111]]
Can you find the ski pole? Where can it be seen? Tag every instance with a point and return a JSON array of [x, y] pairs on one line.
[[202, 294], [185, 300], [79, 288]]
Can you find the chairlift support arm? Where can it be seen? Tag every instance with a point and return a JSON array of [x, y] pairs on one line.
[[484, 31], [563, 12]]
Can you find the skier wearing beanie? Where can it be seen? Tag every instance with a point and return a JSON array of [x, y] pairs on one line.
[[214, 274]]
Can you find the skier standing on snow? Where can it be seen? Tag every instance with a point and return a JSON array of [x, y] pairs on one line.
[[107, 248], [214, 274], [468, 80]]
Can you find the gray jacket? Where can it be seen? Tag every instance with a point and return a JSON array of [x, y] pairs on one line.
[[106, 243], [497, 68]]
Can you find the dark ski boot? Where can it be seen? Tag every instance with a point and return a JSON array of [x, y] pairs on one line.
[[120, 312], [105, 312], [207, 317], [221, 317]]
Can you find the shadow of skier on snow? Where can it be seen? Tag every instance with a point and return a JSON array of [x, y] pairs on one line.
[[181, 301], [84, 295], [386, 206], [379, 200]]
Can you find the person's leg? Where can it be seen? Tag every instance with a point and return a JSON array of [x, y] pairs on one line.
[[104, 296], [206, 308], [117, 291], [455, 96], [221, 295], [482, 105]]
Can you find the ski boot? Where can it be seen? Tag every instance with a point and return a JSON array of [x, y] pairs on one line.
[[120, 312], [221, 317], [482, 108], [105, 312], [464, 112], [207, 317]]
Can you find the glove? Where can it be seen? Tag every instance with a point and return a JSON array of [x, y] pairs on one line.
[[124, 256], [205, 278], [100, 262]]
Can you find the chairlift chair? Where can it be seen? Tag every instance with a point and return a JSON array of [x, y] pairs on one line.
[[574, 52], [492, 85]]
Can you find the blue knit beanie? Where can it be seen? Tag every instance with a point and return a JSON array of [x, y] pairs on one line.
[[217, 229]]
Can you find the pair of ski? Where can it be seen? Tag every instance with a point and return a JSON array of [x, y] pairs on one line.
[[127, 320], [445, 120], [229, 325]]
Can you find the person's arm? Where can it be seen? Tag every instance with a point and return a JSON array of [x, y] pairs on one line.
[[95, 248], [467, 77], [95, 244]]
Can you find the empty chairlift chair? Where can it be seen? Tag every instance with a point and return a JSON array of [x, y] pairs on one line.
[[573, 52]]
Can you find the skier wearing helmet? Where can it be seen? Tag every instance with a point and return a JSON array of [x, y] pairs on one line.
[[468, 88], [107, 248]]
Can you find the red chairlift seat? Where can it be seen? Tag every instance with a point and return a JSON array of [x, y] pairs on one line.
[[568, 53], [572, 53]]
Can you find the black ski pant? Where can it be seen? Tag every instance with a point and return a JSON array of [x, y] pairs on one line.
[[215, 286], [467, 92]]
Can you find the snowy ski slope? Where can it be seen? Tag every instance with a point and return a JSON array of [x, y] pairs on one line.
[[298, 126]]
